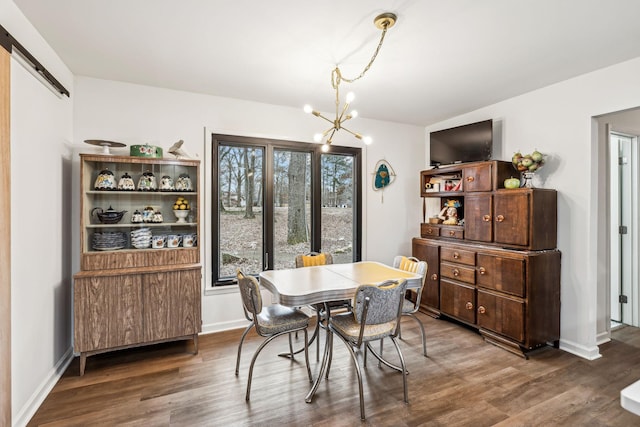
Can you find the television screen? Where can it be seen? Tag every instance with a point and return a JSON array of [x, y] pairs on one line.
[[467, 143]]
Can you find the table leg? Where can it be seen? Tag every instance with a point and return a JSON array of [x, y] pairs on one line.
[[325, 358]]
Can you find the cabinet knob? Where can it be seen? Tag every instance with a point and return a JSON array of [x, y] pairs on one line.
[[469, 305], [500, 218], [452, 233], [482, 270], [482, 310], [455, 272], [470, 179], [434, 276], [429, 231], [456, 255], [486, 218]]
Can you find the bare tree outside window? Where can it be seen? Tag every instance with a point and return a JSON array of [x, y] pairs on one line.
[[251, 236]]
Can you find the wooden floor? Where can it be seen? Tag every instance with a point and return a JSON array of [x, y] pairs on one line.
[[463, 382]]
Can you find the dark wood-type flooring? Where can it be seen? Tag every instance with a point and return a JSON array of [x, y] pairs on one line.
[[463, 382]]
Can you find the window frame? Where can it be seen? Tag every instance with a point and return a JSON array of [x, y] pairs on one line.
[[269, 146]]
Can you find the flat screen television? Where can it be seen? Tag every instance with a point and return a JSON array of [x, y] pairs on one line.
[[461, 144]]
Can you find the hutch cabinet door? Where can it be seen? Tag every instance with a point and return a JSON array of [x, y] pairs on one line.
[[501, 274], [108, 312], [502, 315], [172, 304], [477, 178], [458, 300], [511, 217], [431, 291], [478, 221]]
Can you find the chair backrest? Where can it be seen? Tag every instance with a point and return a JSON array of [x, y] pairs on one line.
[[412, 265], [250, 293], [377, 304], [313, 258]]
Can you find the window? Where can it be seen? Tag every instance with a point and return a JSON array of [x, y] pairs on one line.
[[275, 199]]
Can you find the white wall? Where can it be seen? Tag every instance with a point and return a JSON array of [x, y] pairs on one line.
[[557, 120], [41, 131], [136, 114]]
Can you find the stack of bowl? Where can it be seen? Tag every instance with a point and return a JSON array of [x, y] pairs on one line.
[[141, 238]]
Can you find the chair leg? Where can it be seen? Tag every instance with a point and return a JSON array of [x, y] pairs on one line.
[[253, 361], [359, 374], [244, 334], [291, 345], [422, 334], [404, 370]]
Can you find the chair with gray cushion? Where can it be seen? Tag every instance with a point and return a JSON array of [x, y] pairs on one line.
[[410, 308], [376, 315], [269, 321]]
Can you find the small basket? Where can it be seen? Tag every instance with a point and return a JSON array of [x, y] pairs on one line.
[[435, 221]]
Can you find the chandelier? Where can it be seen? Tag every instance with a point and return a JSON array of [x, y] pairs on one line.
[[382, 22]]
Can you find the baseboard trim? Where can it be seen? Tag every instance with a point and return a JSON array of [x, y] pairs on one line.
[[603, 337], [589, 353], [41, 393], [224, 326]]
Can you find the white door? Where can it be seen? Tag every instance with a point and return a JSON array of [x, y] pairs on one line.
[[625, 295]]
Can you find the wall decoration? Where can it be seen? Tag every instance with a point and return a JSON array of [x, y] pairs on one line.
[[383, 176]]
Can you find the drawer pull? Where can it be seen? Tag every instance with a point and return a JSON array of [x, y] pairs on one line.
[[456, 255], [486, 218], [429, 231], [470, 179], [469, 306], [455, 272], [452, 233], [482, 310], [434, 276], [500, 218], [482, 270]]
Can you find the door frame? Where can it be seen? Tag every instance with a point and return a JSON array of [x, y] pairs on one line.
[[5, 243]]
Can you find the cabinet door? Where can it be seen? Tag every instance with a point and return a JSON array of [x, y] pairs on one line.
[[477, 178], [511, 217], [431, 291], [107, 312], [478, 218], [458, 300], [502, 315], [501, 274], [172, 304]]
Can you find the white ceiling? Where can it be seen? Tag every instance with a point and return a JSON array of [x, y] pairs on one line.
[[441, 59]]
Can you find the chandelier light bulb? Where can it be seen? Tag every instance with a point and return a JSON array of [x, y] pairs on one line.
[[317, 137], [353, 114], [367, 140], [350, 97], [325, 148], [308, 109]]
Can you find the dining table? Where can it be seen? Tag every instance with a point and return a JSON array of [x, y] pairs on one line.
[[321, 284]]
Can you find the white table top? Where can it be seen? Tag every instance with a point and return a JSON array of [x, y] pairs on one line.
[[310, 285]]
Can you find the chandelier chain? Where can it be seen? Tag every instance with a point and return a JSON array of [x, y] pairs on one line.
[[336, 75]]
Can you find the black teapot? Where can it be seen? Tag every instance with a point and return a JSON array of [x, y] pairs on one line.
[[110, 216]]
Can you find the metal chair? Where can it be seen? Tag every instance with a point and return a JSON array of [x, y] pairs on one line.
[[376, 315], [410, 308], [269, 321]]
